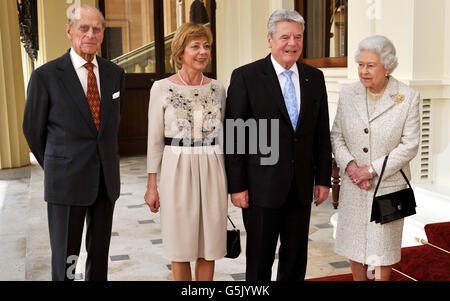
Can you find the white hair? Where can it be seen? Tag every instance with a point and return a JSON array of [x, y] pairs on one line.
[[281, 15], [383, 47], [74, 14]]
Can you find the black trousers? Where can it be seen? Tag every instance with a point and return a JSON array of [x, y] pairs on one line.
[[264, 226], [66, 230]]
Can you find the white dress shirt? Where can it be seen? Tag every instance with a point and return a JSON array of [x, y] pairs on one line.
[[78, 63], [295, 77]]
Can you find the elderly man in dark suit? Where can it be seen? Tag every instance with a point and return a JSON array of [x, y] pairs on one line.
[[277, 196], [71, 123]]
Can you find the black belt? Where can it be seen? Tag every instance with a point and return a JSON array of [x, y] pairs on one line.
[[190, 142]]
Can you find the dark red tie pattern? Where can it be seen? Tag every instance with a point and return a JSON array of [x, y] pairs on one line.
[[93, 97]]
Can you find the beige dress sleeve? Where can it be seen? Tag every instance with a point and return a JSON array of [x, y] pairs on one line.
[[223, 99], [155, 143]]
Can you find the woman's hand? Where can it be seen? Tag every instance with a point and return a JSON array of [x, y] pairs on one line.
[[151, 196], [365, 185], [362, 174], [358, 175], [352, 167], [352, 171], [152, 199]]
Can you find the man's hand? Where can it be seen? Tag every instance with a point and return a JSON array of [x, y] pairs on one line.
[[320, 194], [240, 199]]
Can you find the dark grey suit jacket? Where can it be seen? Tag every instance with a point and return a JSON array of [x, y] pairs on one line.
[[61, 133], [255, 93]]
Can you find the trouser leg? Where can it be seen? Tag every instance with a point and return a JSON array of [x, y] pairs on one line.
[[99, 221], [262, 226], [65, 225], [294, 234]]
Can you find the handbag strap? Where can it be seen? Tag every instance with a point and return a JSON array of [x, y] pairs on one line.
[[231, 222], [382, 172]]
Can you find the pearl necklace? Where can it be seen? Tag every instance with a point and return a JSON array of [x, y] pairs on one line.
[[179, 75], [375, 96]]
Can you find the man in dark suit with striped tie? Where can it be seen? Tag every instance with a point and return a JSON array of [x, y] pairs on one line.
[[71, 123], [276, 198]]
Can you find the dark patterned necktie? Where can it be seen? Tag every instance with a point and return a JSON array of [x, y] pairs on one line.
[[93, 97]]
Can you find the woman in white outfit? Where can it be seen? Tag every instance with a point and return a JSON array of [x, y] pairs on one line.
[[185, 120], [375, 117]]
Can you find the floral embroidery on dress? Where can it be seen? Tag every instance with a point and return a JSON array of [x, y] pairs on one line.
[[200, 105]]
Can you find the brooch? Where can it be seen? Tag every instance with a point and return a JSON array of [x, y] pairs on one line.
[[399, 98]]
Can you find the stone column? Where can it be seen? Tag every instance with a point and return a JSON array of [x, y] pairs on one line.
[[13, 147]]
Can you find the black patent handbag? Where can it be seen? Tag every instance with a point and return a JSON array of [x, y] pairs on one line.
[[392, 206], [233, 241]]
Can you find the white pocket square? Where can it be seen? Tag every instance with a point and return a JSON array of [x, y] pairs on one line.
[[116, 95]]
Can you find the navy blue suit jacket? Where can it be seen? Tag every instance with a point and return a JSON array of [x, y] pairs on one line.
[[61, 133]]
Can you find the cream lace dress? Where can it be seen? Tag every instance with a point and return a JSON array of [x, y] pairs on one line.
[[192, 181]]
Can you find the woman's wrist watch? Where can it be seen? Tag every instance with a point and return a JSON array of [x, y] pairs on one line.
[[371, 171]]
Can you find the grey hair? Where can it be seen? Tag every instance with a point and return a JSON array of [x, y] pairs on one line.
[[281, 15], [383, 47], [75, 15]]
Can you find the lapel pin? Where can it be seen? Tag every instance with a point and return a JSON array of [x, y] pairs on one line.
[[399, 98]]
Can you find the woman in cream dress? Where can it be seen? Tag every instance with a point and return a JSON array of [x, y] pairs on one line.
[[185, 123], [376, 116]]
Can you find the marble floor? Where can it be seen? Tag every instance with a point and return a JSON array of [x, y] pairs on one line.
[[136, 244]]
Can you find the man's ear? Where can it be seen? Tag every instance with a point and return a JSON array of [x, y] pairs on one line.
[[68, 31], [269, 40]]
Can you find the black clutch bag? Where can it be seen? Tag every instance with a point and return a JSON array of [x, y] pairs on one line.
[[233, 241], [392, 206]]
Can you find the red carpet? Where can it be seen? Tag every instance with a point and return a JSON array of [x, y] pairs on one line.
[[423, 263], [348, 277]]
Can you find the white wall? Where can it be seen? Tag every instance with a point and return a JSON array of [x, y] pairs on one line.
[[429, 32], [441, 142], [447, 41], [241, 27], [359, 27]]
